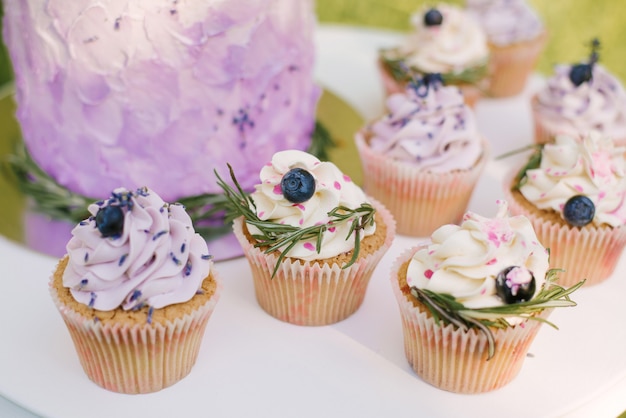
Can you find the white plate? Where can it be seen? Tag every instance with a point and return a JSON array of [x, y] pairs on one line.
[[253, 365]]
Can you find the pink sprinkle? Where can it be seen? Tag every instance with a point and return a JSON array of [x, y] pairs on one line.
[[309, 246], [317, 162], [347, 178], [268, 164], [578, 188], [533, 176], [428, 274], [561, 206], [483, 291], [301, 221], [261, 214], [331, 229], [492, 261], [431, 252], [522, 325], [299, 206], [278, 189], [601, 195], [337, 185]]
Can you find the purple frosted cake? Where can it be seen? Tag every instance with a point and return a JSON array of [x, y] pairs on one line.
[[159, 93]]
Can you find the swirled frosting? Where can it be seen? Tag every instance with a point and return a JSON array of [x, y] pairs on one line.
[[591, 166], [431, 128], [506, 21], [464, 261], [455, 45], [598, 104], [161, 92], [332, 189], [157, 259]]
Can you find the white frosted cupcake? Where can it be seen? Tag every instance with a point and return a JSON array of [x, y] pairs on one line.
[[444, 40], [473, 299], [574, 193], [578, 99], [136, 290], [516, 38], [312, 238], [422, 159]]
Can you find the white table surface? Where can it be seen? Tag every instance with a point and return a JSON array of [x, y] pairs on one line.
[[251, 364]]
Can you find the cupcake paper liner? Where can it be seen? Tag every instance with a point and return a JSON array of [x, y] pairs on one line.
[[139, 358], [511, 65], [453, 359], [419, 201], [589, 252], [312, 293], [471, 93]]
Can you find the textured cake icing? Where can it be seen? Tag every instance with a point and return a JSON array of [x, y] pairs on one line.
[[154, 259], [160, 92], [465, 260], [429, 127], [591, 166], [506, 21], [598, 104], [330, 189]]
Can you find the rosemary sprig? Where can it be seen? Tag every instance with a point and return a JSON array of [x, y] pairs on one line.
[[403, 73], [282, 238], [445, 308], [534, 161]]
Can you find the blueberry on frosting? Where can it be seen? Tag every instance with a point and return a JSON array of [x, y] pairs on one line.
[[583, 72], [579, 210], [433, 17], [110, 221], [298, 185], [515, 284]]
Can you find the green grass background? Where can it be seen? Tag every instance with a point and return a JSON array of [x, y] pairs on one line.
[[571, 23]]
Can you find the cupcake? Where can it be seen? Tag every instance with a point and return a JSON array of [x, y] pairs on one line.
[[472, 300], [136, 290], [578, 99], [445, 40], [311, 236], [422, 159], [573, 192], [516, 37]]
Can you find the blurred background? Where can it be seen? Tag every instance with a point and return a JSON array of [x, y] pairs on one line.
[[571, 24]]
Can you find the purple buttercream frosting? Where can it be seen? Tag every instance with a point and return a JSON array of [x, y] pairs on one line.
[[161, 92]]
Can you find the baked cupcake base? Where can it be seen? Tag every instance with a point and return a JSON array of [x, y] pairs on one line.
[[453, 359], [318, 292], [510, 66], [419, 201], [589, 253], [136, 352]]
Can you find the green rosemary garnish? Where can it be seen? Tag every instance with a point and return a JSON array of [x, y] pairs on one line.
[[54, 200], [282, 238], [444, 307], [534, 161], [403, 73]]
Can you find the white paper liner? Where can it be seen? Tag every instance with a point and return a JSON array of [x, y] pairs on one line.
[[589, 252], [419, 201], [455, 360], [511, 65], [139, 358], [312, 293]]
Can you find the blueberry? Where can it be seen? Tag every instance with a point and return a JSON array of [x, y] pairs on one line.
[[433, 17], [110, 221], [579, 210], [433, 79], [298, 185], [580, 73], [515, 284]]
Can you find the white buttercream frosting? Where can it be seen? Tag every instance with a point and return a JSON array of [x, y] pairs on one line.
[[433, 130], [332, 189], [590, 166], [455, 45], [506, 21], [464, 261], [598, 104], [157, 260]]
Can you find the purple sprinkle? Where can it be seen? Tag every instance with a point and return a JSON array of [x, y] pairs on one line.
[[86, 257], [136, 294], [150, 312], [159, 235], [187, 269], [175, 260], [199, 292], [122, 259], [182, 248], [83, 223], [116, 26], [92, 301], [206, 256], [83, 283]]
